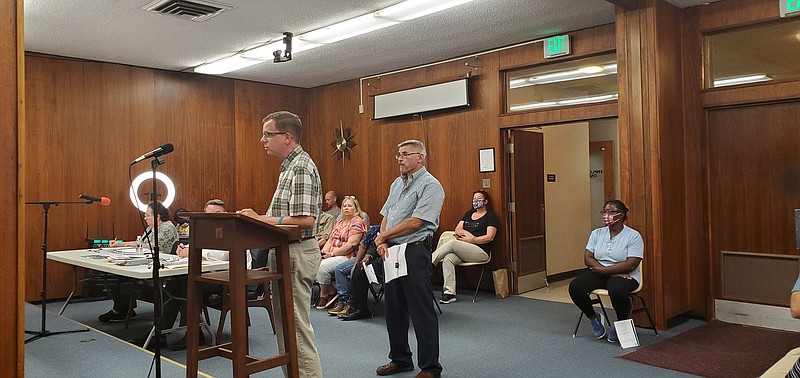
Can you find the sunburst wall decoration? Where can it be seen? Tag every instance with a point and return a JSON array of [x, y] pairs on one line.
[[342, 143]]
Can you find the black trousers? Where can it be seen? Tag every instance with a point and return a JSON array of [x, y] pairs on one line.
[[359, 284], [177, 288], [121, 302], [619, 289], [412, 296]]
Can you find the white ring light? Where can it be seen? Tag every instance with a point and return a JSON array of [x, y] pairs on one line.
[[149, 175]]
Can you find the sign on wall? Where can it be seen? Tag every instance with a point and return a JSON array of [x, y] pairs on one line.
[[790, 8], [557, 46]]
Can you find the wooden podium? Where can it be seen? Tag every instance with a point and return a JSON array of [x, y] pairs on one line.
[[238, 233]]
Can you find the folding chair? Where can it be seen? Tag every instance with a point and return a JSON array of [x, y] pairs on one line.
[[633, 295], [483, 269]]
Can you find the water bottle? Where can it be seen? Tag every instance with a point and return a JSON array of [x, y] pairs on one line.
[[139, 245]]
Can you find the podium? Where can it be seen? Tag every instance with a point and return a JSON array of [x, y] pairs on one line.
[[238, 233]]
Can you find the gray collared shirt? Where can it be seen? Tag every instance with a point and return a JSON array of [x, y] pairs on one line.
[[421, 198]]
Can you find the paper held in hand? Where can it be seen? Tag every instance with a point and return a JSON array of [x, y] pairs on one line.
[[370, 272], [394, 263], [626, 332]]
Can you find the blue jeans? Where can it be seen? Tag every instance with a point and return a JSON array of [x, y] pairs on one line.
[[342, 276]]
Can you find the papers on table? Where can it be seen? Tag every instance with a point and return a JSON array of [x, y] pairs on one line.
[[176, 262], [394, 263], [626, 332]]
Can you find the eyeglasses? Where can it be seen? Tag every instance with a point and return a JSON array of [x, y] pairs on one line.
[[610, 212], [270, 134], [405, 155], [350, 197]]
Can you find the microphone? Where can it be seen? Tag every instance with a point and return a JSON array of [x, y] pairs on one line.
[[105, 201], [162, 150]]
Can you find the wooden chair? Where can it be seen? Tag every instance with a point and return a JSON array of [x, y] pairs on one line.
[[633, 295]]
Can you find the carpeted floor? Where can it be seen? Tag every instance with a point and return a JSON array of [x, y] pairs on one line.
[[512, 337], [719, 349]]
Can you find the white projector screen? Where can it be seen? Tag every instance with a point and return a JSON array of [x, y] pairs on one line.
[[422, 99]]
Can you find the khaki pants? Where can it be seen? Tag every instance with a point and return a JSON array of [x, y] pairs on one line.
[[451, 252], [783, 365], [305, 258]]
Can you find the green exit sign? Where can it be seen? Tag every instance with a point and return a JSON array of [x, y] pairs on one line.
[[790, 8], [557, 46]]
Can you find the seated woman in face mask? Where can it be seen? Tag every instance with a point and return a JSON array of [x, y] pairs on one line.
[[612, 255], [468, 243]]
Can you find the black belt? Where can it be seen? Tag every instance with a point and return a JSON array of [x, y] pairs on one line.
[[301, 240], [426, 242]]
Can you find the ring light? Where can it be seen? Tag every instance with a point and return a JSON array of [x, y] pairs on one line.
[[141, 179]]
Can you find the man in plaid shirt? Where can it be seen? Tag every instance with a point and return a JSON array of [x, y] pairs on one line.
[[297, 201]]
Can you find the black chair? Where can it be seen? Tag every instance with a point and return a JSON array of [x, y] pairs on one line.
[[634, 295]]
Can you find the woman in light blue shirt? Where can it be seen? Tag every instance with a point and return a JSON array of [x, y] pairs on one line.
[[613, 256]]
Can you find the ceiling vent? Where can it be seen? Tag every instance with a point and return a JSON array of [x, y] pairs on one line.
[[194, 10]]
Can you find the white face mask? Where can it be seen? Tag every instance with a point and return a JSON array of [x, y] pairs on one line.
[[477, 204]]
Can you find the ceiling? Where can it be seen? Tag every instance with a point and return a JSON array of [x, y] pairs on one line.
[[121, 32]]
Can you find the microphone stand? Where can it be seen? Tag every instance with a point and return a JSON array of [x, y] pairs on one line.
[[43, 332], [157, 305]]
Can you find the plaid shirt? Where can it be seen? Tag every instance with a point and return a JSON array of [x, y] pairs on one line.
[[299, 191]]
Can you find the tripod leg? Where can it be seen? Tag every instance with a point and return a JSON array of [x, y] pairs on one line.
[[71, 293], [43, 332]]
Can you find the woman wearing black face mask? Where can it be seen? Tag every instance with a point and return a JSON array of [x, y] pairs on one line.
[[612, 255], [468, 243]]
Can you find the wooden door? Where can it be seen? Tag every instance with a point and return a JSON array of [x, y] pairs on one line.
[[527, 220]]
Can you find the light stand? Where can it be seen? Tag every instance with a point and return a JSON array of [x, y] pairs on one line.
[[157, 305], [158, 158], [44, 332]]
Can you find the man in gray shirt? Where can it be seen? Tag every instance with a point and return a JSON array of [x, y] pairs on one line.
[[411, 216]]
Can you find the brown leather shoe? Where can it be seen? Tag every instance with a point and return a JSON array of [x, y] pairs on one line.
[[427, 374], [393, 368]]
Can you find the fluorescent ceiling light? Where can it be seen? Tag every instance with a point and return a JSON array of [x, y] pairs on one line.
[[591, 69], [532, 105], [741, 80], [572, 101], [584, 100], [568, 75], [411, 9], [225, 65], [265, 52], [347, 29], [392, 15]]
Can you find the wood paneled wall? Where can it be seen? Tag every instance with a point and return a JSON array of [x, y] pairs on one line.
[[704, 120], [651, 134], [12, 117], [452, 140], [696, 220], [88, 120]]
